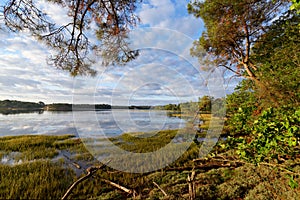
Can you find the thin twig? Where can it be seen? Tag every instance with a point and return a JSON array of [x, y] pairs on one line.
[[160, 189]]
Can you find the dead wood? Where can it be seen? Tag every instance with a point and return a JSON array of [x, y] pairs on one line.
[[191, 183], [90, 171], [160, 189], [120, 187]]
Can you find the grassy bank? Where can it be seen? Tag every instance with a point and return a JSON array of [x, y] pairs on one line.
[[45, 173]]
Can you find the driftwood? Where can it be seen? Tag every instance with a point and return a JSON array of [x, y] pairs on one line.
[[90, 171], [160, 189], [128, 191]]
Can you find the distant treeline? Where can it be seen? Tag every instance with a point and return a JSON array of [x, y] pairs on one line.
[[20, 105], [76, 107], [204, 104], [81, 107], [13, 106]]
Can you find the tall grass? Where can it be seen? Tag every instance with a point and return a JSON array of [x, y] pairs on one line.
[[33, 147], [36, 180]]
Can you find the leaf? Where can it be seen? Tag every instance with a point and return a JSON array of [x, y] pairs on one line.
[[292, 183]]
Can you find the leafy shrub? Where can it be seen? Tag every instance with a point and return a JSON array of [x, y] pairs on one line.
[[275, 135], [242, 108]]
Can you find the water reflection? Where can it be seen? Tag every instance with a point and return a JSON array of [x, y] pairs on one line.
[[15, 112], [110, 122]]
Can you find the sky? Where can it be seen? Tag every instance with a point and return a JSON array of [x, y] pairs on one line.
[[163, 73]]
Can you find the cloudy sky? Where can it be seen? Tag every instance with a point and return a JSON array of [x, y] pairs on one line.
[[163, 73]]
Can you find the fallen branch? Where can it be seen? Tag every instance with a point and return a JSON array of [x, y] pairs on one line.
[[178, 169], [236, 163], [160, 189], [90, 171], [207, 166], [128, 191]]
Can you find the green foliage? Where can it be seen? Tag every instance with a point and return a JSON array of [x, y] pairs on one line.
[[292, 183], [277, 54], [205, 103], [232, 27], [296, 5], [171, 107], [275, 135], [242, 108], [243, 37]]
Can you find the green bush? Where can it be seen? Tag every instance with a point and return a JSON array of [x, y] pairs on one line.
[[274, 136]]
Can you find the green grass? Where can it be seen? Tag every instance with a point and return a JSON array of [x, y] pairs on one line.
[[33, 147], [36, 180], [143, 143], [46, 179]]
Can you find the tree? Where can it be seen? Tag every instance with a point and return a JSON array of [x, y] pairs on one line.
[[270, 132], [278, 55], [205, 103], [112, 18], [42, 104], [232, 28]]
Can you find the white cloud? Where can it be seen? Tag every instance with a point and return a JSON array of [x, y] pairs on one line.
[[58, 14], [165, 73], [171, 15], [155, 11], [25, 74]]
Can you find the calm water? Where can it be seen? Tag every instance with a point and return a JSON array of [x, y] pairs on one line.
[[88, 123]]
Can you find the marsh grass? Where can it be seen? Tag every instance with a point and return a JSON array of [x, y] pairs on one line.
[[136, 143], [36, 180], [48, 179], [33, 147]]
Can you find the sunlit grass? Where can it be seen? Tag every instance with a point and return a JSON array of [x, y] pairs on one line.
[[48, 179], [31, 147], [36, 180]]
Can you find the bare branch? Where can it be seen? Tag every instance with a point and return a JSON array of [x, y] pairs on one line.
[[90, 171]]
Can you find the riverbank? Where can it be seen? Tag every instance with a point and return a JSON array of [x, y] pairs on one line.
[[45, 166]]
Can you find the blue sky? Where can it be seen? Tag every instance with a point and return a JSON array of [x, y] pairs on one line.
[[163, 73]]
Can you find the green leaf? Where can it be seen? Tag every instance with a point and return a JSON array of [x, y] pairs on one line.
[[292, 183]]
